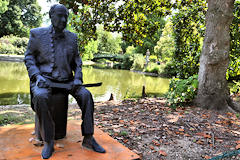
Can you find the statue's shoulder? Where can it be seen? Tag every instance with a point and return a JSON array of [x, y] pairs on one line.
[[71, 34], [39, 31]]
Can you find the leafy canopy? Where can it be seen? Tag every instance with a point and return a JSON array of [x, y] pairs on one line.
[[20, 17]]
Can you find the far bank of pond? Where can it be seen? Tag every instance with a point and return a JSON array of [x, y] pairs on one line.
[[14, 83]]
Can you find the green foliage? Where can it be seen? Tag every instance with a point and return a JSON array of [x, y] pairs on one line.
[[138, 63], [182, 91], [189, 26], [153, 58], [130, 50], [235, 89], [131, 18], [107, 42], [20, 17], [13, 117], [154, 68], [13, 45], [165, 47], [127, 61], [3, 5], [234, 63], [150, 42], [90, 49]]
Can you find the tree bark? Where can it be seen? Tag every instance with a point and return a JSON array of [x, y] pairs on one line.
[[213, 91]]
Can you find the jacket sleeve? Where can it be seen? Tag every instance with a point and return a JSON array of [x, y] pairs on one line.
[[77, 62], [29, 58]]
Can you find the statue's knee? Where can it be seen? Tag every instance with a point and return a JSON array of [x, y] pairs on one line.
[[87, 94], [84, 94], [40, 96]]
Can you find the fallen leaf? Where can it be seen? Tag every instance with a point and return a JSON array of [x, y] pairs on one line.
[[207, 136], [125, 140], [187, 135], [207, 157], [218, 122], [151, 147], [121, 121], [163, 153], [131, 122], [238, 146], [173, 118], [181, 130], [238, 142], [200, 142], [200, 134], [236, 132]]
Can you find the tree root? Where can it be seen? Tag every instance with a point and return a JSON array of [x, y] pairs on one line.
[[233, 105]]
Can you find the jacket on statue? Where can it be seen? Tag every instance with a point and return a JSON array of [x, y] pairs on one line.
[[56, 58]]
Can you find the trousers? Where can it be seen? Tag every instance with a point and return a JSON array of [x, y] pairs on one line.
[[41, 100]]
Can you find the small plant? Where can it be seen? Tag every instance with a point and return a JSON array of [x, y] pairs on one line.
[[237, 115], [235, 88], [182, 91], [123, 133]]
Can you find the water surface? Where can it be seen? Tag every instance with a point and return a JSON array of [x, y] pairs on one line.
[[14, 83]]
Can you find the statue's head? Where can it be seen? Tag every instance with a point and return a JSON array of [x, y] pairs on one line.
[[58, 14]]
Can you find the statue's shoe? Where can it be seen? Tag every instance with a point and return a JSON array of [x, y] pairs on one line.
[[48, 150], [91, 143]]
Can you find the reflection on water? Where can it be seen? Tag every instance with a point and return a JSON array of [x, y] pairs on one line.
[[14, 83]]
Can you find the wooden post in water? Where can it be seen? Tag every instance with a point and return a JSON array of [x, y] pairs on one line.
[[143, 92], [111, 97]]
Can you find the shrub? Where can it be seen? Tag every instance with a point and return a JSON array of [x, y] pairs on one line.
[[138, 63], [154, 68], [235, 87], [127, 61], [182, 91], [130, 50], [13, 45], [153, 58]]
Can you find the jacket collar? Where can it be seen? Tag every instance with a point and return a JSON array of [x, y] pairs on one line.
[[56, 36]]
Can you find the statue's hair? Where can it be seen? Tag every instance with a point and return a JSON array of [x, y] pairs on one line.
[[52, 9]]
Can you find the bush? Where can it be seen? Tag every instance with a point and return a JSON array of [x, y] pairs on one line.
[[153, 58], [130, 50], [182, 91], [154, 68], [138, 63], [127, 61], [235, 87], [13, 45]]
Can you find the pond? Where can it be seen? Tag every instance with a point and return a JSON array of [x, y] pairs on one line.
[[14, 83]]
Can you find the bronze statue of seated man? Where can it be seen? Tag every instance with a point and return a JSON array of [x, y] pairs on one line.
[[52, 55]]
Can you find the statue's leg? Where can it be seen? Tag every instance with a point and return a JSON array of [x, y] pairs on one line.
[[85, 102], [41, 97]]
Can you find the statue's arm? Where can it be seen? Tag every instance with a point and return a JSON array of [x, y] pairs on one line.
[[77, 67], [29, 59]]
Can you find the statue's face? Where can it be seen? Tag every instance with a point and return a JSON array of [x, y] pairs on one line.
[[59, 18]]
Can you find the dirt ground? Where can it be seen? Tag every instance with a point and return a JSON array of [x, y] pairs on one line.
[[154, 131]]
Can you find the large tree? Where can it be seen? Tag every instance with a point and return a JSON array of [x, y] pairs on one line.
[[213, 92], [20, 17], [130, 19]]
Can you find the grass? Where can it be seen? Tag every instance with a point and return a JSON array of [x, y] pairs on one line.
[[15, 117]]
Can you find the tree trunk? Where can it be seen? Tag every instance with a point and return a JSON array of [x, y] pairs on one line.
[[213, 91]]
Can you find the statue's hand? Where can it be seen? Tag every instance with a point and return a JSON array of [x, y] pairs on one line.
[[41, 82], [77, 82]]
